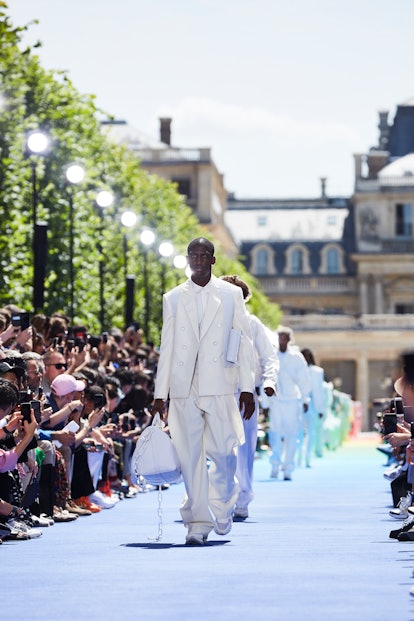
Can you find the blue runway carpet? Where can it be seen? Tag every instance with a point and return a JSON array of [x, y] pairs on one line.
[[314, 548]]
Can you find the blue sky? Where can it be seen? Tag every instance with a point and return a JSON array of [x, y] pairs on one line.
[[283, 92]]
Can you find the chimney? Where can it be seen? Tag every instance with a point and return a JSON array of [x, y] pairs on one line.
[[384, 130], [165, 130], [323, 187]]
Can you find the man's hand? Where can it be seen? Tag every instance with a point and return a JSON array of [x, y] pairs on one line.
[[246, 404], [158, 407], [67, 438], [269, 392], [397, 439]]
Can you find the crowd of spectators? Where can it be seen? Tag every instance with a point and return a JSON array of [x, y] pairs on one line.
[[396, 425], [72, 406]]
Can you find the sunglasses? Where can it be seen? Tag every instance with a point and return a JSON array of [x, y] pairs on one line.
[[58, 365]]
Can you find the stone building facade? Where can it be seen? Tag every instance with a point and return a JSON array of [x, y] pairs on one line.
[[342, 268]]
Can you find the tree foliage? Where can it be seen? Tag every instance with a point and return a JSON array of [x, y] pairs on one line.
[[31, 99]]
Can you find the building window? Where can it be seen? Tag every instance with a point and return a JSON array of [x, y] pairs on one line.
[[261, 220], [262, 260], [297, 261], [332, 261], [403, 220], [404, 309], [183, 186]]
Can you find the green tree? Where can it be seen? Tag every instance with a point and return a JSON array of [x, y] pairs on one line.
[[33, 98]]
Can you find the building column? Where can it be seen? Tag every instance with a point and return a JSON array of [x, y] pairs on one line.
[[379, 298], [362, 388], [363, 296]]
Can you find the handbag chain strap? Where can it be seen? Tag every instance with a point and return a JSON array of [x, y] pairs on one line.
[[160, 516]]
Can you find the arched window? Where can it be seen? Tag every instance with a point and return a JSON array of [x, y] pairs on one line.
[[297, 261], [332, 261], [262, 261]]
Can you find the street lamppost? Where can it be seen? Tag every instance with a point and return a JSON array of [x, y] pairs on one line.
[[147, 238], [180, 263], [37, 144], [128, 219], [74, 174], [104, 199], [166, 250]]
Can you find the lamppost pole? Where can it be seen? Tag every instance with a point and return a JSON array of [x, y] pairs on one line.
[[128, 219], [104, 199], [147, 239], [37, 144], [74, 174]]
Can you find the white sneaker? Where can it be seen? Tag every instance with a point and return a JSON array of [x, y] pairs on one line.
[[32, 533], [275, 472], [40, 522], [222, 527], [101, 500], [241, 513], [401, 512]]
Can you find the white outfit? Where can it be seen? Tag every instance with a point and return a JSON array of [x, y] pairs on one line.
[[285, 410], [267, 366], [316, 407], [193, 371]]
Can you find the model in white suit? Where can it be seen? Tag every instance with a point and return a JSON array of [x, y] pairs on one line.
[[266, 370], [316, 411], [197, 372]]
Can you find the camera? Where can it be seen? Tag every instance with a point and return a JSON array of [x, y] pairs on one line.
[[105, 337], [23, 396], [389, 422], [94, 341], [22, 320], [35, 404], [115, 419], [25, 410], [99, 401]]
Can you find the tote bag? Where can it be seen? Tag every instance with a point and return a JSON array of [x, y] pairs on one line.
[[155, 458]]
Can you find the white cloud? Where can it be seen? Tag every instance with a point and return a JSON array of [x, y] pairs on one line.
[[212, 115]]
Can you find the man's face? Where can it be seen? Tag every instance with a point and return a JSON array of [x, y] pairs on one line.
[[50, 369], [34, 376], [200, 261], [283, 341], [12, 378]]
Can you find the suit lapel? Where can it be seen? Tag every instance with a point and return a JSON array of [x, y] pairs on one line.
[[213, 304], [191, 309]]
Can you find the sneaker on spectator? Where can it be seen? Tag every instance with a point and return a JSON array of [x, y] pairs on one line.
[[48, 518], [401, 512], [40, 522], [61, 515], [100, 499], [72, 507], [406, 526], [85, 503], [392, 472], [32, 533]]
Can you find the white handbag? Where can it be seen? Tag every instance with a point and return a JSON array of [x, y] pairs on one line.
[[155, 458]]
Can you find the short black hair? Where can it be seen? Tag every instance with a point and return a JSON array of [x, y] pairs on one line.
[[9, 395], [201, 241]]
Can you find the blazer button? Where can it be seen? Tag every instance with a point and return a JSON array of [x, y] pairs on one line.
[[182, 328], [181, 364], [219, 325], [214, 342], [214, 359]]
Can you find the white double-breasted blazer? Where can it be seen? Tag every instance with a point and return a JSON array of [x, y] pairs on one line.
[[184, 343]]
